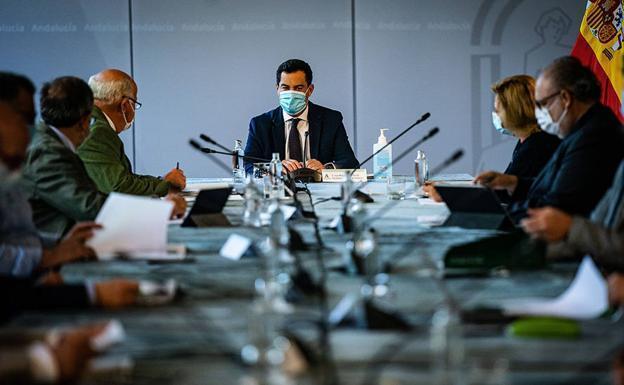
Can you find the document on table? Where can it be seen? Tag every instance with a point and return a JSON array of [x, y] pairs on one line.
[[196, 187], [585, 298], [452, 177], [132, 226]]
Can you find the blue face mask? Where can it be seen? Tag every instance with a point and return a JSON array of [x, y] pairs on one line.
[[292, 102], [498, 124]]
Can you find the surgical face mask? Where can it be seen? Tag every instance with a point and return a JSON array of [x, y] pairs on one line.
[[292, 102], [545, 121], [498, 124], [127, 123]]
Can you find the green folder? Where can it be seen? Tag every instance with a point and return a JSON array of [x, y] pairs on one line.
[[513, 251]]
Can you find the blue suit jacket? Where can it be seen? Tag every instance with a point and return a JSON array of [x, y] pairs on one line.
[[328, 137]]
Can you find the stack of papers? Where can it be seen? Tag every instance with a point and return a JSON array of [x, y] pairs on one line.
[[585, 298], [133, 227]]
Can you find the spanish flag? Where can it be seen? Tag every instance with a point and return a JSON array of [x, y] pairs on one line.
[[599, 46]]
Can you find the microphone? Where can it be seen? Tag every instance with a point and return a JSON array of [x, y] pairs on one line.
[[345, 224], [305, 174], [219, 163], [208, 139], [458, 154], [422, 119], [206, 150], [433, 132]]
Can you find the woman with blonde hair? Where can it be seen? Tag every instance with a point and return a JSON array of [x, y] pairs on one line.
[[514, 114]]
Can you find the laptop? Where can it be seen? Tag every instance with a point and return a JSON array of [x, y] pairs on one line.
[[207, 209], [475, 207]]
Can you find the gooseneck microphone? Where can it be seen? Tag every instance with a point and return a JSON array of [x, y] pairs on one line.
[[419, 121], [458, 154], [208, 139], [206, 150], [219, 163], [345, 224], [433, 132]]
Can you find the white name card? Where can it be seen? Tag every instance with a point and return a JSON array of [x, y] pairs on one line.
[[235, 247], [339, 175]]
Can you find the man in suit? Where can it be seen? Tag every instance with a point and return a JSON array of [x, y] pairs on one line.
[[582, 169], [103, 154], [54, 178], [299, 126], [573, 236]]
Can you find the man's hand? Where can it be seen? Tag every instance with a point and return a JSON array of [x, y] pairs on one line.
[[71, 248], [430, 190], [176, 178], [314, 165], [82, 230], [497, 180], [116, 293], [73, 350], [547, 223], [616, 289], [291, 165], [179, 205]]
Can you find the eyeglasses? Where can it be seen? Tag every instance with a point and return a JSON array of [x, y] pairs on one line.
[[137, 105], [544, 102]]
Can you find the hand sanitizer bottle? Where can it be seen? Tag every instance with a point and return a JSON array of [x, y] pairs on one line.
[[382, 162]]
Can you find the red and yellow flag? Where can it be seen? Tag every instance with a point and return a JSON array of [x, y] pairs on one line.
[[599, 46]]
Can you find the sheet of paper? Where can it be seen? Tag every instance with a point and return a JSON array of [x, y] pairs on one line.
[[173, 252], [429, 202], [131, 225], [585, 298], [195, 187], [235, 247], [431, 220], [452, 177]]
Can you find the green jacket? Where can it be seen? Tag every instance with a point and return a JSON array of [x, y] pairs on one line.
[[107, 164], [57, 185]]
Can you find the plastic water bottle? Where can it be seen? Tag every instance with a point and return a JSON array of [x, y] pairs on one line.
[[238, 169], [447, 349], [421, 168], [277, 185], [253, 203], [279, 237], [265, 347], [382, 162]]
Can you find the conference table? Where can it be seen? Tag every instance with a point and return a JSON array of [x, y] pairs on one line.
[[197, 339]]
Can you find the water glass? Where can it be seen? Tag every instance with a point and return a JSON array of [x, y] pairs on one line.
[[395, 187]]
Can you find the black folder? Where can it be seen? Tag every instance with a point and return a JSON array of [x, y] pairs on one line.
[[207, 209], [475, 208]]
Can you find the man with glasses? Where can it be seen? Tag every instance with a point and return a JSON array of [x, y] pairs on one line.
[[582, 169], [103, 153]]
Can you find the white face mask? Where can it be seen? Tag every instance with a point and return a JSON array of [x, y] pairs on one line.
[[545, 121], [498, 124], [128, 124]]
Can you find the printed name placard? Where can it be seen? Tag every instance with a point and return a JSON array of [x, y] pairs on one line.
[[339, 175]]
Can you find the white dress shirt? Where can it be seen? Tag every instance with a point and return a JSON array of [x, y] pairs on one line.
[[302, 128]]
